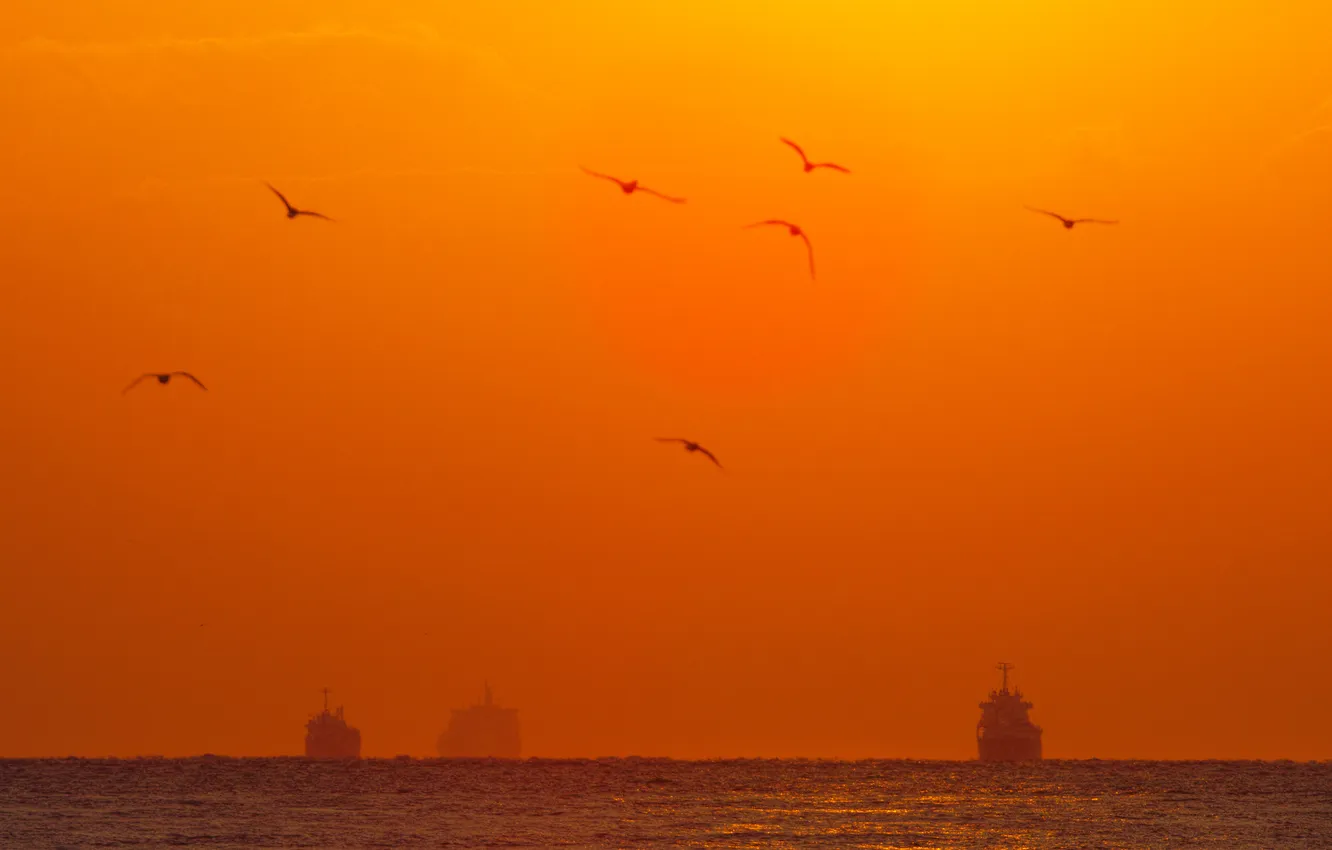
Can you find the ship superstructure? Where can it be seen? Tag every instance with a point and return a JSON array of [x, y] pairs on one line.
[[1004, 731], [482, 731], [327, 735]]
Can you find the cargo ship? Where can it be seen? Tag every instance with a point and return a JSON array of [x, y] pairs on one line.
[[1004, 732], [482, 731], [327, 735]]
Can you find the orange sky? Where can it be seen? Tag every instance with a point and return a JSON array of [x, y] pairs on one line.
[[425, 458]]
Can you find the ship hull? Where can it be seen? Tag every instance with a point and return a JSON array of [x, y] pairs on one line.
[[332, 749], [1015, 748], [345, 746], [502, 743], [482, 731]]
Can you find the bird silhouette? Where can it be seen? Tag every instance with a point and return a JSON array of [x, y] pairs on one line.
[[810, 166], [162, 378], [795, 231], [1069, 222], [631, 186], [292, 212], [690, 446]]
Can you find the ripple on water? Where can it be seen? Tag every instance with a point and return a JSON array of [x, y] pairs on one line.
[[225, 803]]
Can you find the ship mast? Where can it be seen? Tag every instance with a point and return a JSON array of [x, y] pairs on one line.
[[326, 693], [1005, 667]]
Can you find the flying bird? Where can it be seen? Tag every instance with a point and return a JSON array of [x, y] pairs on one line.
[[292, 212], [631, 186], [690, 446], [162, 378], [810, 166], [1069, 222], [795, 231]]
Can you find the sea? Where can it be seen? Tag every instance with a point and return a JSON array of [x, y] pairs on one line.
[[647, 803]]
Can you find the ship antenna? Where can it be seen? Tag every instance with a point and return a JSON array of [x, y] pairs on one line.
[[326, 693], [1005, 667]]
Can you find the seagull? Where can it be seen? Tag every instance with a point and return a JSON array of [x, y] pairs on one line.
[[810, 166], [690, 446], [1069, 222], [292, 212], [631, 186], [162, 378], [795, 231]]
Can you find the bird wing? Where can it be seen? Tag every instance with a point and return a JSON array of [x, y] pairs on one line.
[[660, 195], [313, 214], [797, 148], [809, 249], [670, 439], [1047, 212], [602, 176], [192, 378], [281, 197], [771, 221], [711, 457], [834, 166], [134, 383], [1093, 221]]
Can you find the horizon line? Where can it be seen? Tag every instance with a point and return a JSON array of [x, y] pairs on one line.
[[698, 760]]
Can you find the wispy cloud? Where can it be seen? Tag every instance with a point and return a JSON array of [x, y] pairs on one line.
[[395, 104], [1094, 147], [151, 185], [1315, 128], [423, 40]]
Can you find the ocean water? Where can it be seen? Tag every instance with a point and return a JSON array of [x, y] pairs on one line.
[[646, 803]]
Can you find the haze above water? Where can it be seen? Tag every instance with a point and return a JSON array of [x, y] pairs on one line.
[[425, 456]]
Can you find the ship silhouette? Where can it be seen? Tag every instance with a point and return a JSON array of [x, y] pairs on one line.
[[327, 735], [1004, 732], [482, 731]]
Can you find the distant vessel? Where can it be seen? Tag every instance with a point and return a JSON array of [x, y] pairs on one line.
[[482, 731], [1004, 732], [327, 735]]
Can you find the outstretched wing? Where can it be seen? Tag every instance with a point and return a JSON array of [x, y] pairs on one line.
[[670, 439], [592, 173], [834, 166], [809, 249], [777, 221], [660, 195], [1093, 221], [313, 214], [711, 457], [1047, 212], [134, 383], [797, 148], [281, 197], [192, 378]]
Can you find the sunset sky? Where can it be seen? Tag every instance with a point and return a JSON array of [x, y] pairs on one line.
[[425, 458]]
